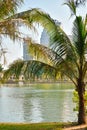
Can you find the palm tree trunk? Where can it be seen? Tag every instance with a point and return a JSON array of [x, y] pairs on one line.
[[81, 114]]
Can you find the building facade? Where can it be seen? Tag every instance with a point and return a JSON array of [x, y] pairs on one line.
[[44, 40], [26, 55]]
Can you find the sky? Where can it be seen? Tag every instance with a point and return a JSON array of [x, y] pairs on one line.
[[55, 9]]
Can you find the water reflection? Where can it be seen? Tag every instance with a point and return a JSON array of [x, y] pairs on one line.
[[36, 114], [36, 103]]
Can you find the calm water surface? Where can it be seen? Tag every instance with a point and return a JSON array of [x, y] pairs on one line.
[[36, 103]]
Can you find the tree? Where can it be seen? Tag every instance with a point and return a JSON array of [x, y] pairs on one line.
[[9, 24], [64, 55]]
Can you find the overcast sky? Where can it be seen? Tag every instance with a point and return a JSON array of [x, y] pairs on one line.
[[55, 9]]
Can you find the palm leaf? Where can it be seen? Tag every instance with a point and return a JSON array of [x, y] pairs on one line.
[[29, 69], [60, 42], [11, 28], [37, 68], [72, 6], [14, 69], [43, 53], [37, 16], [64, 64], [8, 7], [79, 37]]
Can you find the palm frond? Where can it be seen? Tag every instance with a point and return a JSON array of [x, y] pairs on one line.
[[54, 31], [72, 6], [8, 7], [11, 28], [38, 16], [36, 68], [43, 53], [30, 69], [60, 42], [79, 37], [14, 69]]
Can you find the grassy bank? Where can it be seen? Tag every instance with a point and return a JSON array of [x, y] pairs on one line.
[[33, 126]]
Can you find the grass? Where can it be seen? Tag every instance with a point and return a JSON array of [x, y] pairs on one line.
[[34, 126]]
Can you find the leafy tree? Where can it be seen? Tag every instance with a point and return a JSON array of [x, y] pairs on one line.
[[64, 55]]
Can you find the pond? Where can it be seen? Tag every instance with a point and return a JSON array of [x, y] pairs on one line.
[[37, 103]]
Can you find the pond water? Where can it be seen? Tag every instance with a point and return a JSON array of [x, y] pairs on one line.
[[37, 103]]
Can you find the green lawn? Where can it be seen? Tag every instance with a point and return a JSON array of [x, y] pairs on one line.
[[33, 126]]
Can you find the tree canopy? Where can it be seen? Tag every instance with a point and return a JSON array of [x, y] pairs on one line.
[[64, 55]]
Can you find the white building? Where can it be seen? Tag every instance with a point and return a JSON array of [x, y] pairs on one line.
[[44, 40], [26, 55]]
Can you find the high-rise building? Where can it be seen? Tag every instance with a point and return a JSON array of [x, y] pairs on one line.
[[26, 55], [44, 40]]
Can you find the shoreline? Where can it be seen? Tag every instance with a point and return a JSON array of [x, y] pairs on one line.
[[36, 126], [35, 82]]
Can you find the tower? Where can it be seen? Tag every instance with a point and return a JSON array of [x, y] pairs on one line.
[[44, 40], [26, 55]]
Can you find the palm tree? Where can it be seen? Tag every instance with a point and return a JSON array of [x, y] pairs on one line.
[[9, 24], [64, 55]]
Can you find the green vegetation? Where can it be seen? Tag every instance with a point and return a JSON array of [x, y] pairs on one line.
[[34, 126], [76, 100], [64, 56], [9, 24]]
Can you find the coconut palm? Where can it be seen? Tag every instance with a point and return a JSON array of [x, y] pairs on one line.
[[9, 24], [64, 55], [8, 27]]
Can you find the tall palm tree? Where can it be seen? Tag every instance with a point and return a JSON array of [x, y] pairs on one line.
[[64, 55]]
